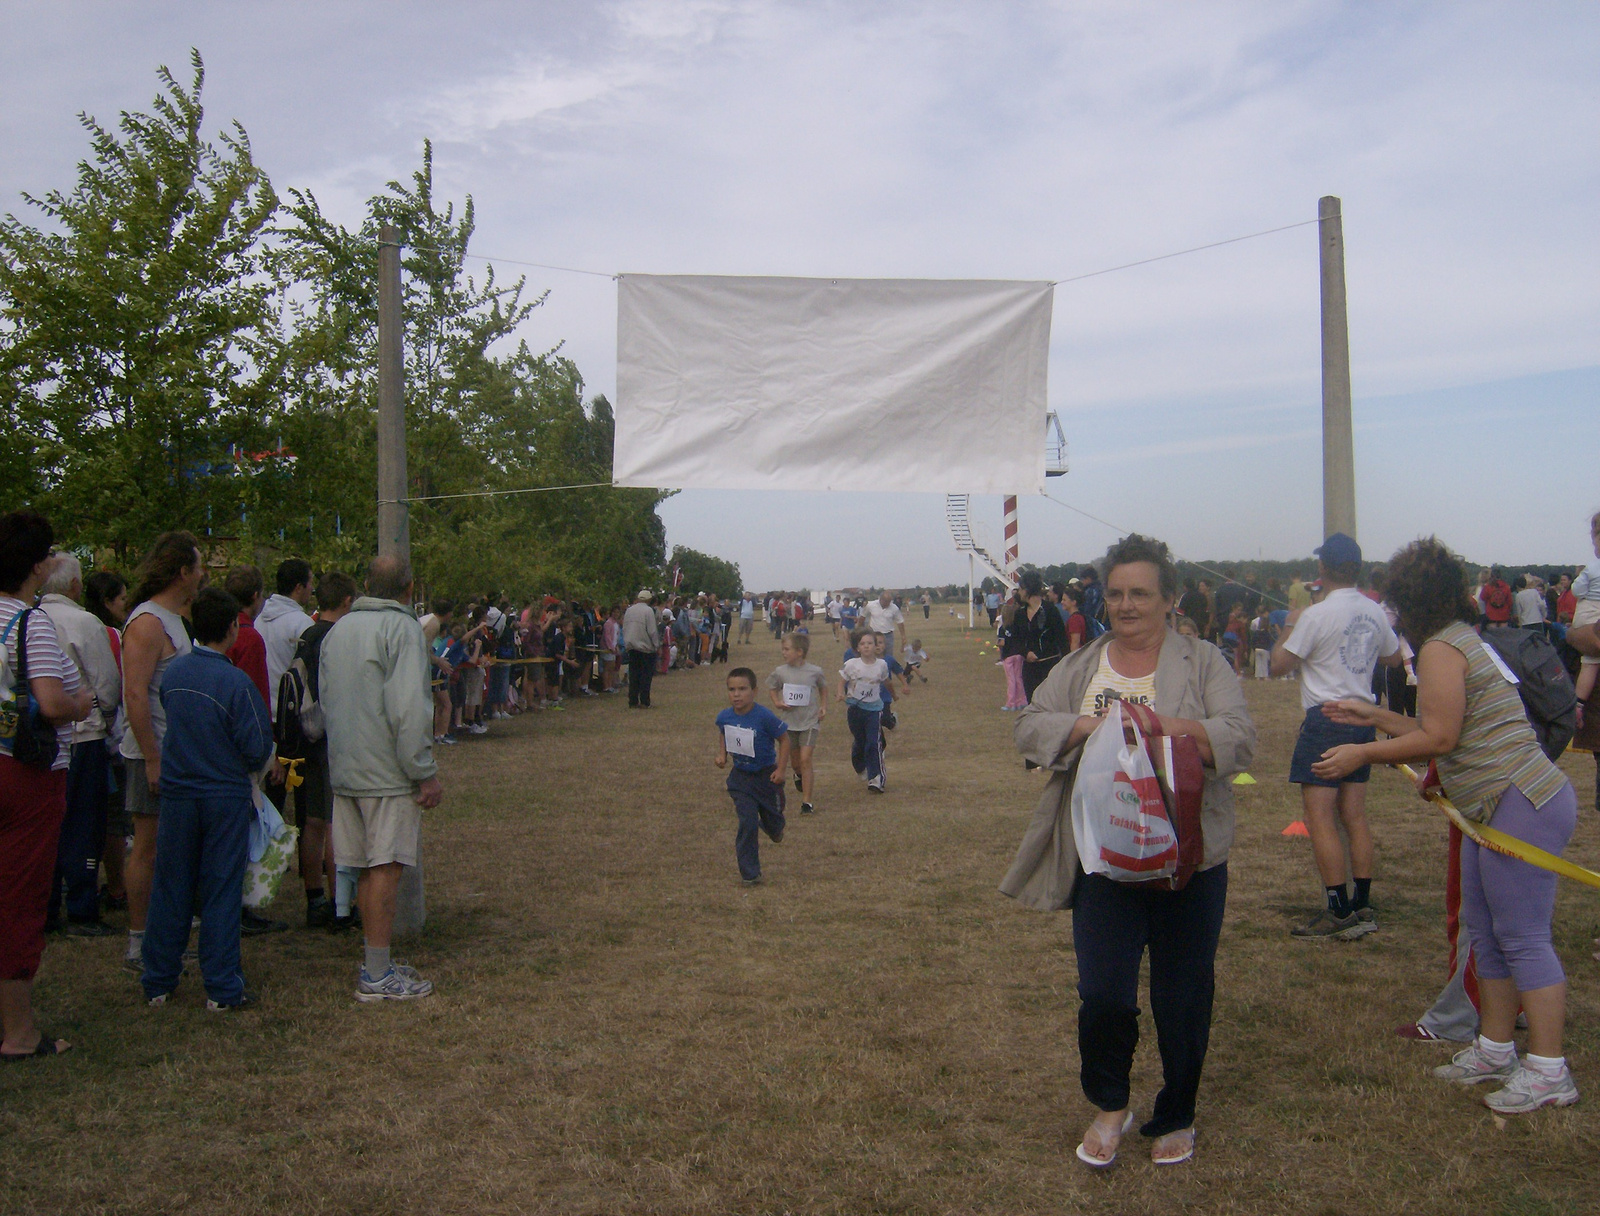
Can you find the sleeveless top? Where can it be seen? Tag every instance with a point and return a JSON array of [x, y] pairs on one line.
[[172, 623], [1497, 747]]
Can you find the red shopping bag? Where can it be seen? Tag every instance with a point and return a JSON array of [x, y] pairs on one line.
[[1182, 776], [1119, 812]]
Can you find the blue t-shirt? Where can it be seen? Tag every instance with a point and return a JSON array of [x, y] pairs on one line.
[[751, 739], [848, 615]]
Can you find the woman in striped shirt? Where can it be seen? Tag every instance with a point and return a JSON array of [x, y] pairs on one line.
[[1471, 724]]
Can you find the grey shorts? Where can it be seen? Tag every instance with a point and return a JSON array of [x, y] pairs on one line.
[[138, 799], [376, 831], [804, 738]]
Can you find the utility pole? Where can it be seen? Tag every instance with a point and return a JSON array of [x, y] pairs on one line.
[[394, 525], [1338, 440]]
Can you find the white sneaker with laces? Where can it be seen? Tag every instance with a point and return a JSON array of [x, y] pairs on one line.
[[399, 983], [1472, 1064], [1528, 1089]]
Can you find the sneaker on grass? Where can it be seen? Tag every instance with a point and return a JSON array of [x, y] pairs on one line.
[[1472, 1064], [1325, 924], [247, 1000], [1529, 1089], [399, 983]]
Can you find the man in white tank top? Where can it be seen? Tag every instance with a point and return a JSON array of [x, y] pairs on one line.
[[153, 636]]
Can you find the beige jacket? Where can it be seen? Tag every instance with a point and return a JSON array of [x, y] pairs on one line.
[[1193, 680]]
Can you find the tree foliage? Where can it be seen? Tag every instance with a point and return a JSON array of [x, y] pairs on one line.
[[179, 350], [702, 572]]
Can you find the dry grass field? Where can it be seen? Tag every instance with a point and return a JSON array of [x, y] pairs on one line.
[[620, 1027]]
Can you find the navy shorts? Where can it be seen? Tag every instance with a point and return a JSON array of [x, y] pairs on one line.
[[1317, 735]]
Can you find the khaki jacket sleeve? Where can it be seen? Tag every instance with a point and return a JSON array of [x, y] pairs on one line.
[[1227, 720]]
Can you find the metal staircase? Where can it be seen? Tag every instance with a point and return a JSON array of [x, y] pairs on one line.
[[957, 508]]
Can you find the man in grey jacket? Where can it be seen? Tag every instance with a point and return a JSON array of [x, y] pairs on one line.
[[641, 637], [373, 680], [83, 831]]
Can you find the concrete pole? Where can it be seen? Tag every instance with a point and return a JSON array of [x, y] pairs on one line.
[[394, 525], [1338, 441], [971, 577], [394, 529]]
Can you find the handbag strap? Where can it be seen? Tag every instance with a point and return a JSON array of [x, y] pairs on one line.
[[1144, 717], [20, 624]]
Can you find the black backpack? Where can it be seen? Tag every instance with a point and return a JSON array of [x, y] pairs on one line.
[[299, 724], [1547, 693]]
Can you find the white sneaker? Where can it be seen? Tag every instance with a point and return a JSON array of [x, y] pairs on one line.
[[478, 728], [1529, 1089], [1471, 1065], [399, 983]]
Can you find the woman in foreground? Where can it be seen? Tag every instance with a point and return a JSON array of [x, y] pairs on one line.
[[1471, 724], [1195, 693]]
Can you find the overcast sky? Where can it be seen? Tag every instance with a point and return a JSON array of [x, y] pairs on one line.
[[1005, 140]]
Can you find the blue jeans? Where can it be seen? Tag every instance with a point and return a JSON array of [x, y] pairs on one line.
[[499, 685], [202, 845], [759, 803], [83, 832]]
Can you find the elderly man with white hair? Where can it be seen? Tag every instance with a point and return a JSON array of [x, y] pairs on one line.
[[83, 831]]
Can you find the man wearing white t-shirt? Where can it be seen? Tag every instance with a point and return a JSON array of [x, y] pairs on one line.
[[884, 618], [1336, 644]]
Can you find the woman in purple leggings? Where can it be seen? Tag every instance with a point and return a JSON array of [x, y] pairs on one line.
[[1471, 724]]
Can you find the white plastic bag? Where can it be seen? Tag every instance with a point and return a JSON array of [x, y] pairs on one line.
[[1118, 814]]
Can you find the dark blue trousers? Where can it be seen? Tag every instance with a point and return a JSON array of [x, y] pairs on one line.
[[866, 741], [759, 803], [83, 832], [202, 846], [1112, 924]]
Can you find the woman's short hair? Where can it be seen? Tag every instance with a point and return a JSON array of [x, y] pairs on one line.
[[25, 541], [1427, 585], [1135, 548]]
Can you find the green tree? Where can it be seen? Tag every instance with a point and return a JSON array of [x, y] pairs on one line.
[[135, 328], [702, 572], [476, 420]]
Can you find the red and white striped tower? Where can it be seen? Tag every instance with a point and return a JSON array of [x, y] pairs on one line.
[[1010, 559]]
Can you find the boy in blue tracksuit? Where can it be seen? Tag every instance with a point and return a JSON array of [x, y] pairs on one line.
[[218, 733], [756, 740]]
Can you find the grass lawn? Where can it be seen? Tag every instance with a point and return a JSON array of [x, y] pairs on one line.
[[620, 1027]]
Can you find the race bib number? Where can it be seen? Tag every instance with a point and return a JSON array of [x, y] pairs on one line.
[[796, 694], [739, 741]]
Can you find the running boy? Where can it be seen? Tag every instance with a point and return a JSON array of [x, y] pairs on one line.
[[916, 656], [861, 683], [757, 741], [800, 695]]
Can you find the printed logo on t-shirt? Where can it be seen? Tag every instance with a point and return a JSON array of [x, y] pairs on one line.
[[739, 741], [1104, 698], [1359, 650], [796, 694]]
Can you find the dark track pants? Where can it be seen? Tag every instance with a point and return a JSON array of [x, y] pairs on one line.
[[83, 832], [866, 740], [1112, 923], [202, 846], [641, 671], [758, 800]]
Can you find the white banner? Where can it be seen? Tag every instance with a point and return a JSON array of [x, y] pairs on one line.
[[831, 384]]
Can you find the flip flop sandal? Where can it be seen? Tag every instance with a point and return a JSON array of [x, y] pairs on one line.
[[46, 1047], [1096, 1162], [1188, 1154]]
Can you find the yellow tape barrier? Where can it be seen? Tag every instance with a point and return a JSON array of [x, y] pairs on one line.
[[1499, 842]]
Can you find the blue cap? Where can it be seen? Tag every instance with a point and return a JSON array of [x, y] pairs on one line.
[[1339, 550]]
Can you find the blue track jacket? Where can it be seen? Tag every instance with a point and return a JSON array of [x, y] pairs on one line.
[[218, 730]]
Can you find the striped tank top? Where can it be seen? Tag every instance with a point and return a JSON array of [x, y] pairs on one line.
[[172, 623], [1497, 747]]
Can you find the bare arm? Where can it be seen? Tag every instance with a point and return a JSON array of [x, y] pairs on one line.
[[721, 760], [1283, 661], [783, 759], [57, 704], [144, 643]]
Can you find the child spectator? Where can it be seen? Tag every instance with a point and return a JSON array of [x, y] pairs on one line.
[[1262, 637], [757, 741], [610, 642], [800, 695], [218, 734], [862, 680]]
